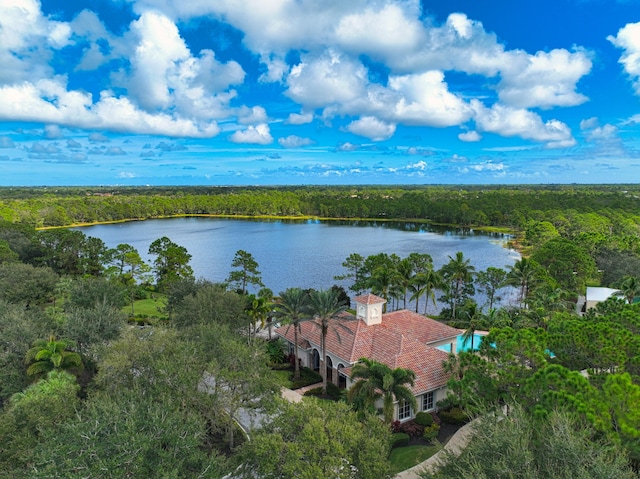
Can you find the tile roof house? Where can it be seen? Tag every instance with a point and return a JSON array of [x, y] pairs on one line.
[[399, 339]]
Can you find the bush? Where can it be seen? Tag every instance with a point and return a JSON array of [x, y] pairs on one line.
[[307, 377], [281, 367], [412, 428], [275, 350], [399, 439], [395, 426], [334, 391], [424, 418], [314, 392], [454, 416], [431, 432]]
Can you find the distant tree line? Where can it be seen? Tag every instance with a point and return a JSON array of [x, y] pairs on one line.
[[500, 206]]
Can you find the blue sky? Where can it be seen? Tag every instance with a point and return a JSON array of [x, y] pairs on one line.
[[270, 92]]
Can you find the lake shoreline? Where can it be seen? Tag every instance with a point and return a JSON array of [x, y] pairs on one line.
[[301, 253], [513, 243], [484, 229]]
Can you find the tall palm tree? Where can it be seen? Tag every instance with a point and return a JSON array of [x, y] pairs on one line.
[[473, 315], [425, 284], [402, 278], [324, 306], [458, 273], [291, 308], [258, 310], [51, 355], [523, 275], [381, 283], [418, 288], [375, 380]]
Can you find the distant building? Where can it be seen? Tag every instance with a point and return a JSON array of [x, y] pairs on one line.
[[596, 295], [400, 339]]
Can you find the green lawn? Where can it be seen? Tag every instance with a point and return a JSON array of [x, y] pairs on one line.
[[402, 458], [285, 378], [152, 307]]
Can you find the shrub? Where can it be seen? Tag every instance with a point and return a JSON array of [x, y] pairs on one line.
[[395, 426], [454, 415], [281, 367], [334, 391], [399, 439], [412, 428], [314, 392], [424, 418], [307, 377], [431, 432], [275, 350]]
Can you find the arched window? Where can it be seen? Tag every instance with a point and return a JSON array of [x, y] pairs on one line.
[[315, 360]]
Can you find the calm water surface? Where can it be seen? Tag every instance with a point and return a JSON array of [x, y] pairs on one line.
[[306, 254]]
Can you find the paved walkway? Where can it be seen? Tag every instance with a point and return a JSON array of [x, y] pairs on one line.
[[296, 395]]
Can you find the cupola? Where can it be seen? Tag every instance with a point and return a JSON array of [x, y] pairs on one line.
[[369, 308]]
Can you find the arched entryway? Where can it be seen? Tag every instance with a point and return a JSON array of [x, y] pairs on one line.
[[315, 360]]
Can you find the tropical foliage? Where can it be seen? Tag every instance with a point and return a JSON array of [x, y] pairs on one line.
[[374, 381], [171, 391]]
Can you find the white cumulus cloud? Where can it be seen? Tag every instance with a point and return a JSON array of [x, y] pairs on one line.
[[252, 116], [470, 136], [628, 39], [294, 141], [299, 118], [507, 121], [372, 128], [543, 80], [259, 135]]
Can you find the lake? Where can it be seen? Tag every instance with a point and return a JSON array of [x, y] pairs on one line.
[[306, 254]]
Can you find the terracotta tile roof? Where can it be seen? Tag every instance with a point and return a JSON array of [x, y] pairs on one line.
[[369, 299], [401, 340]]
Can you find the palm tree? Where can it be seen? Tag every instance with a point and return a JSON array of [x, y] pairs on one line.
[[425, 284], [473, 314], [630, 288], [418, 288], [258, 310], [458, 273], [45, 356], [381, 283], [523, 275], [291, 307], [267, 294], [376, 380], [402, 278], [324, 306]]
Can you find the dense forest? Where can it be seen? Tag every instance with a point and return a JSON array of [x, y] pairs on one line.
[[507, 206], [104, 359]]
